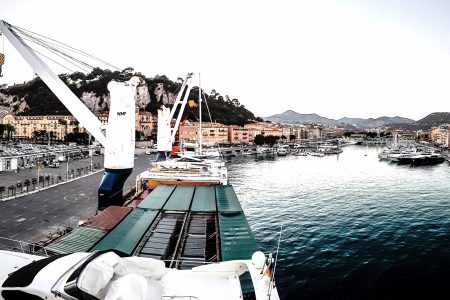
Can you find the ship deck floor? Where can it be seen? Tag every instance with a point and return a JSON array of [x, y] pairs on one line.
[[184, 225]]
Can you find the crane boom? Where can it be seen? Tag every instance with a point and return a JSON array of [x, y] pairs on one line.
[[86, 118]]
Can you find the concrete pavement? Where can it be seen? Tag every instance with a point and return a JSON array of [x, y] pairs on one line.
[[33, 216]]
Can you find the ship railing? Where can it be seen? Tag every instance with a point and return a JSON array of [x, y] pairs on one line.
[[178, 297], [22, 246]]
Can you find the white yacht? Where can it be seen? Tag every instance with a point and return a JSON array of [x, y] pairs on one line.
[[316, 153], [107, 276], [185, 170], [282, 150]]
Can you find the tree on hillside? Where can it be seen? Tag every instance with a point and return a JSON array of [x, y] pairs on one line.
[[40, 100]]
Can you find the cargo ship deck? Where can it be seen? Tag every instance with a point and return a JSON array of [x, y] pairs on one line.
[[183, 225]]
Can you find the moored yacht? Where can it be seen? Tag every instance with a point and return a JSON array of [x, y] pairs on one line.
[[109, 275], [427, 159]]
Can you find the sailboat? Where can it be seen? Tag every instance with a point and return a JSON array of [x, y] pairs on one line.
[[187, 167]]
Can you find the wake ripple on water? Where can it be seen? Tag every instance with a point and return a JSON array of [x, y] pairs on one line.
[[353, 227]]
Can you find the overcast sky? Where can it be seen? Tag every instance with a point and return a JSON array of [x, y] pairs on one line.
[[334, 58]]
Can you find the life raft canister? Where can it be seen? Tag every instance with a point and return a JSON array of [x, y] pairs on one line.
[[2, 61]]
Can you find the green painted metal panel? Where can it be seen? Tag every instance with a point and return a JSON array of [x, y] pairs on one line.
[[158, 197], [236, 238], [81, 239], [127, 234], [204, 199], [181, 198], [227, 199]]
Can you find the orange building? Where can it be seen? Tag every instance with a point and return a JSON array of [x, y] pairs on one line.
[[238, 135]]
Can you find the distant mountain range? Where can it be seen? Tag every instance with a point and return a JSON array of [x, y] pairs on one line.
[[374, 123], [292, 117]]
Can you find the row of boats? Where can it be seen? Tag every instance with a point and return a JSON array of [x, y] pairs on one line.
[[412, 156], [283, 150]]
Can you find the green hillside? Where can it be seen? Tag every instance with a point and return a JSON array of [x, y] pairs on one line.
[[41, 101]]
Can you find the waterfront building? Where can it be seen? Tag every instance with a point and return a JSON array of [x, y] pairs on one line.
[[212, 133], [274, 131], [146, 123], [423, 134], [188, 131], [61, 125], [25, 125], [300, 132], [286, 130], [103, 117], [238, 135], [315, 132], [254, 129], [441, 135]]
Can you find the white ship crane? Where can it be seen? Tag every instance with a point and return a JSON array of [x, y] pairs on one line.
[[119, 152]]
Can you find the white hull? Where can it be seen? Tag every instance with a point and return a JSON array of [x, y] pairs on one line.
[[108, 276]]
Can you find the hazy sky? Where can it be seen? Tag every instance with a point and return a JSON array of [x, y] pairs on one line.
[[334, 58]]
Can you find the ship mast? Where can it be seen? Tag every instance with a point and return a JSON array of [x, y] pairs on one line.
[[200, 112]]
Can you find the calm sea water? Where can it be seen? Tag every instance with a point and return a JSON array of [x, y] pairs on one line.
[[353, 227]]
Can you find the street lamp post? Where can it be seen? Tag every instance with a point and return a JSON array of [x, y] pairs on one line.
[[91, 151], [67, 166]]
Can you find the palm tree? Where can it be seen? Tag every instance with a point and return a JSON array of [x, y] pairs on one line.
[[10, 129], [43, 135], [52, 136], [35, 135], [64, 122], [2, 129]]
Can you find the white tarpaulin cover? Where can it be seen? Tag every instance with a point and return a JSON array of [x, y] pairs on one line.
[[111, 277], [97, 274]]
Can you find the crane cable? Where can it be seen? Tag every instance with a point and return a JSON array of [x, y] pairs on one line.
[[65, 52], [68, 47], [68, 59], [63, 45], [55, 51]]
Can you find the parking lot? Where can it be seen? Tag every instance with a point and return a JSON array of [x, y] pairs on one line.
[[26, 179]]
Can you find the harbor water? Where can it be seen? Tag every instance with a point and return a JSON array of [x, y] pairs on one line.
[[353, 227]]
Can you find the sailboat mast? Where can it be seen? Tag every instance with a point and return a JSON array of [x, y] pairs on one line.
[[200, 111]]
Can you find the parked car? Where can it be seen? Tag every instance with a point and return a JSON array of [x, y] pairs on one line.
[[54, 164]]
